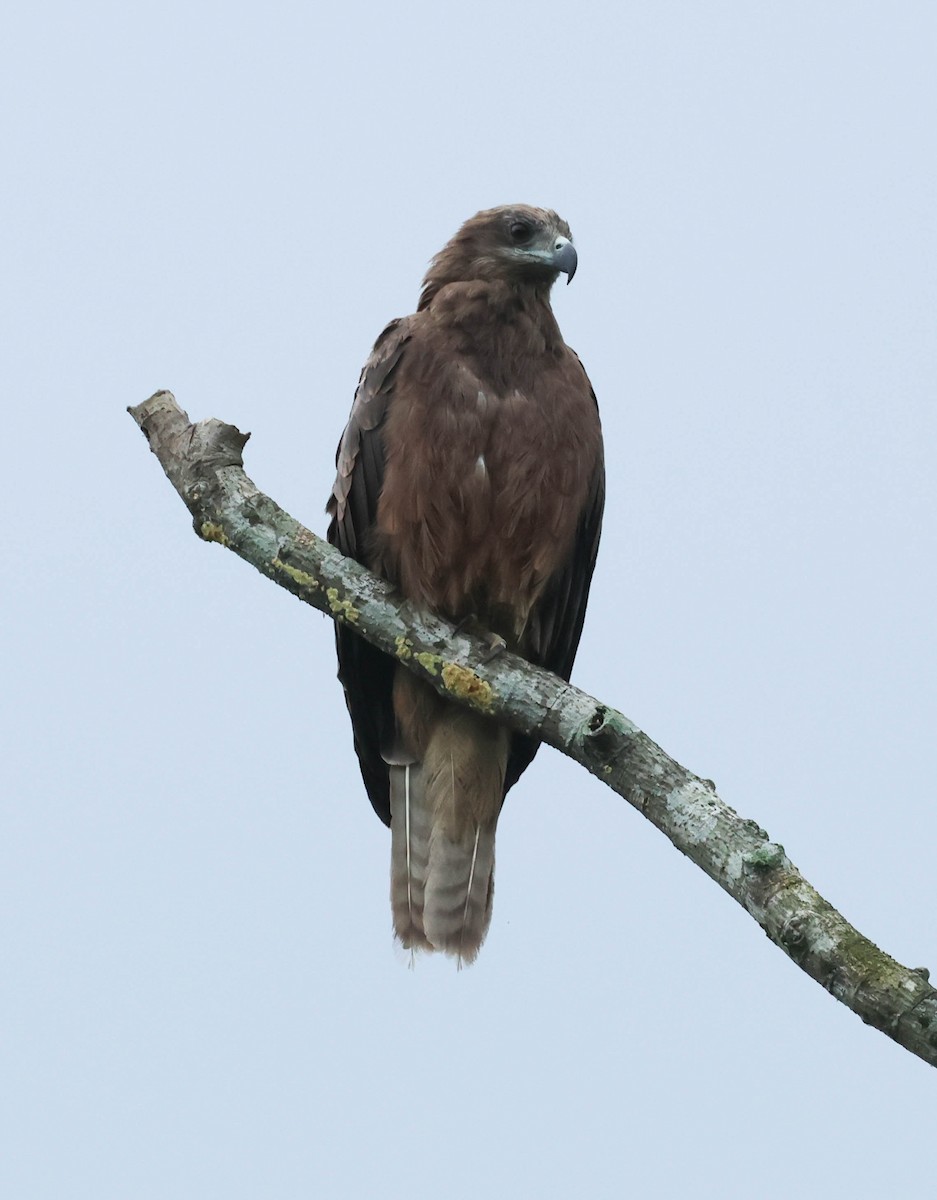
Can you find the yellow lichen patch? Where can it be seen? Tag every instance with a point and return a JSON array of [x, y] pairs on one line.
[[404, 647], [303, 578], [342, 608], [465, 683], [429, 662], [214, 533]]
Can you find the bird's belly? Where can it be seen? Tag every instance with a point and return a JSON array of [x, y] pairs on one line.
[[491, 512], [484, 536]]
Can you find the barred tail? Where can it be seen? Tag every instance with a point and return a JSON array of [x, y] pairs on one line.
[[444, 813]]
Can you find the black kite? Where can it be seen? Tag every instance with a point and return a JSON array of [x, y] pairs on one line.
[[471, 476]]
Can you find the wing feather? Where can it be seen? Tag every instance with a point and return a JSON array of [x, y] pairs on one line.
[[366, 674]]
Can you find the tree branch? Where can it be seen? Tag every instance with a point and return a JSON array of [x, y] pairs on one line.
[[204, 464]]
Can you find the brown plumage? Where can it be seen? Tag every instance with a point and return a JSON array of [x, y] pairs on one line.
[[470, 475]]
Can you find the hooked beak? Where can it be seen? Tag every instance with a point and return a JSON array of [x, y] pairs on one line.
[[565, 257]]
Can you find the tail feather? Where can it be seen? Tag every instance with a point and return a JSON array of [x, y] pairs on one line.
[[444, 811], [458, 891], [410, 828]]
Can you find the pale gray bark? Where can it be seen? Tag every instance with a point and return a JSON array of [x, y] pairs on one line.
[[204, 464]]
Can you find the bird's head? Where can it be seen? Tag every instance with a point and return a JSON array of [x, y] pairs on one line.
[[517, 244]]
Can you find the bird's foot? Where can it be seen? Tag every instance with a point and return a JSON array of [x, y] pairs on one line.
[[496, 645]]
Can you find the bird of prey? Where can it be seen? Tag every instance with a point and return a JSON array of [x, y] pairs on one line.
[[470, 475]]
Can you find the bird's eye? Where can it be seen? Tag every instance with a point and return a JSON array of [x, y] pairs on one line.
[[521, 232]]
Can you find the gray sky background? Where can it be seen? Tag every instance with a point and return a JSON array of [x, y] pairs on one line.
[[199, 995]]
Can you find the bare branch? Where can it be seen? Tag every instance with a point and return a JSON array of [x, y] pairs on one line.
[[204, 464]]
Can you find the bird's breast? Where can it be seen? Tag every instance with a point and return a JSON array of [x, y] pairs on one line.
[[481, 496]]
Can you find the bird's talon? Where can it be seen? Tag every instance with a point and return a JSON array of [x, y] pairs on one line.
[[496, 645]]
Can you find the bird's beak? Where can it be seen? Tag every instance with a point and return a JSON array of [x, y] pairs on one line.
[[565, 257]]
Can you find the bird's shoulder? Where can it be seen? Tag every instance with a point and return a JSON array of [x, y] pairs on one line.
[[369, 406]]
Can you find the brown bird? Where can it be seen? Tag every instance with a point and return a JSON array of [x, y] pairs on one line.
[[471, 476]]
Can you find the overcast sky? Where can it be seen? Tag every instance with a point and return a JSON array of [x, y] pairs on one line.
[[199, 994]]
